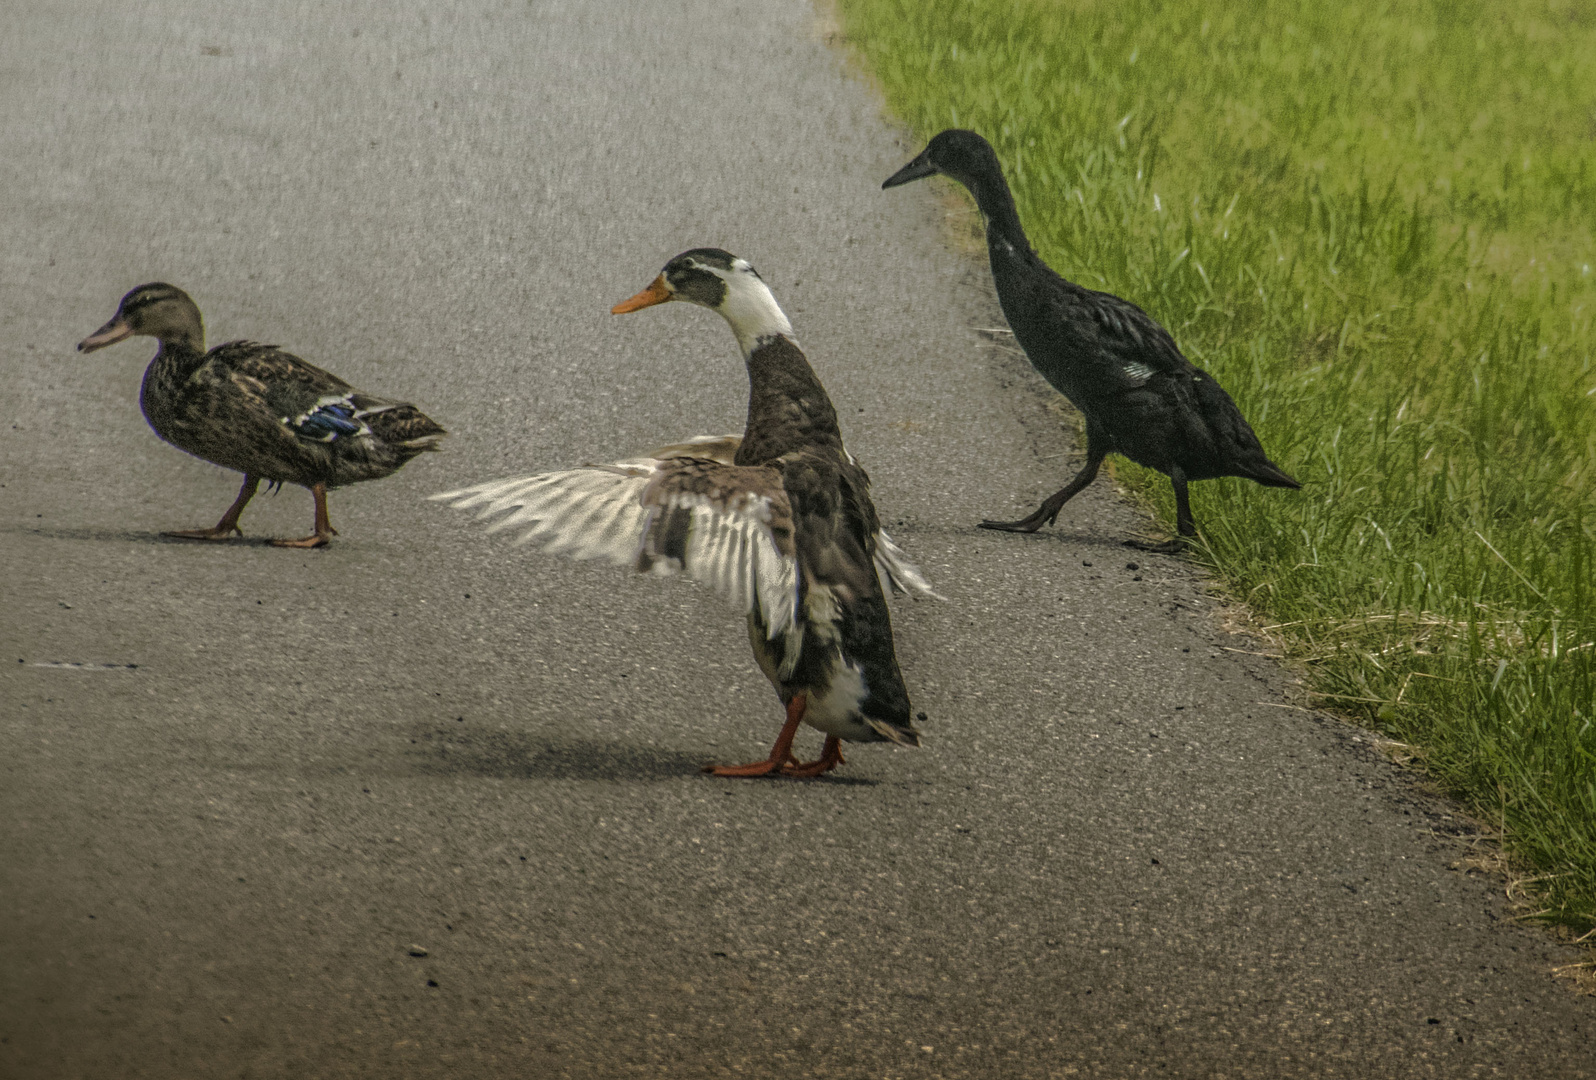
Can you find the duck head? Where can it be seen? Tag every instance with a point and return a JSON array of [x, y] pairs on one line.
[[720, 281], [156, 310], [962, 155]]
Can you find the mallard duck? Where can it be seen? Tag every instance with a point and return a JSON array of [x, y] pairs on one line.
[[1140, 396], [778, 521], [259, 410]]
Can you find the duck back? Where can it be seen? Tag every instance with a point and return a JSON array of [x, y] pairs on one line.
[[847, 658], [262, 411]]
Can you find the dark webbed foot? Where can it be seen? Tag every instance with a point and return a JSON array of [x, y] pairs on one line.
[[1165, 547], [1047, 513], [1024, 525], [1185, 525]]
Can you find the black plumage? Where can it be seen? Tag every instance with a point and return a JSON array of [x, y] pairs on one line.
[[1117, 365], [259, 410]]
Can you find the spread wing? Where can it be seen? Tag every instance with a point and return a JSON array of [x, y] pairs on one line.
[[728, 526], [899, 575]]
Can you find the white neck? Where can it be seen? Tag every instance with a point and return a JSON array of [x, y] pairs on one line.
[[752, 311]]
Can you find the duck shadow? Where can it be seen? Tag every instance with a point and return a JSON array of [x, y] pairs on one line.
[[506, 755], [1105, 544], [133, 536]]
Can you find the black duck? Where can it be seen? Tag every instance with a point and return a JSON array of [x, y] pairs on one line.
[[1118, 366]]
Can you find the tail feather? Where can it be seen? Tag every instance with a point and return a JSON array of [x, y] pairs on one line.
[[425, 442], [1269, 474], [403, 425], [902, 734]]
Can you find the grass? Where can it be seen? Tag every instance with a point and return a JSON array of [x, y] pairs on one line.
[[1376, 224]]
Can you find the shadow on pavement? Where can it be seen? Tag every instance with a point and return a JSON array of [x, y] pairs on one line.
[[514, 756], [132, 536]]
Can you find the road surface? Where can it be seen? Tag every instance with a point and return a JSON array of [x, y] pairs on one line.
[[1119, 853]]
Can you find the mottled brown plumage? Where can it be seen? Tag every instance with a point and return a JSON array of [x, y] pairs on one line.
[[261, 411]]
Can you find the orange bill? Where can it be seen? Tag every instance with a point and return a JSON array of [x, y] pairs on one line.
[[657, 293]]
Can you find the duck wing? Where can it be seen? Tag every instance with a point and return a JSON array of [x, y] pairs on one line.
[[1131, 346], [315, 404], [1153, 404], [285, 384], [728, 526], [898, 575]]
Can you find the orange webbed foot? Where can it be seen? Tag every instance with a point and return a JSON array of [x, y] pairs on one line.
[[217, 533], [768, 767], [315, 540], [780, 759], [830, 758]]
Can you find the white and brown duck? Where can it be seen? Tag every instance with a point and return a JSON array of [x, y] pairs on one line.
[[261, 411], [778, 521]]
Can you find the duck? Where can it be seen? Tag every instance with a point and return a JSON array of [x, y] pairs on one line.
[[260, 411], [1139, 395], [778, 520]]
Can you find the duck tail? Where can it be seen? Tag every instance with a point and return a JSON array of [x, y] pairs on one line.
[[902, 734], [404, 427], [1269, 474], [424, 443]]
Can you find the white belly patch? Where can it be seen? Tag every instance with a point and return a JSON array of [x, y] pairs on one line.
[[836, 712]]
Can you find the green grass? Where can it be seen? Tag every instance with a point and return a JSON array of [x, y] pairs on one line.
[[1374, 223]]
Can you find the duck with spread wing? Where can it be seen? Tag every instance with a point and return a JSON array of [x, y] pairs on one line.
[[778, 521]]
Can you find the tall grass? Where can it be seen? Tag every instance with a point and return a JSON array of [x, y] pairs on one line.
[[1376, 224]]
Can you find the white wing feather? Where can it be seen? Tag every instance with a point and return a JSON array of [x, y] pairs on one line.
[[599, 512], [897, 573]]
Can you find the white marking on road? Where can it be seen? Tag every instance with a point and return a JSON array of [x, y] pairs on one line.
[[79, 665]]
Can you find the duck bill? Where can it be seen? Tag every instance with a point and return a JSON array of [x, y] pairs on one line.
[[656, 293], [109, 334], [918, 169]]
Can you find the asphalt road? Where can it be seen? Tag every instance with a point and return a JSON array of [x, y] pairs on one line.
[[1118, 854]]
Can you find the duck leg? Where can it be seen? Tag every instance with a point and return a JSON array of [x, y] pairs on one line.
[[1184, 524], [1183, 519], [781, 756], [1047, 513], [324, 530], [226, 527], [830, 758]]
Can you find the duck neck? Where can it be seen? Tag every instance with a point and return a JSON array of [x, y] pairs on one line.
[[751, 311], [788, 409], [169, 372], [184, 351], [996, 201]]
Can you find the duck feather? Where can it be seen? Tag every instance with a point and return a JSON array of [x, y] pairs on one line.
[[727, 526]]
